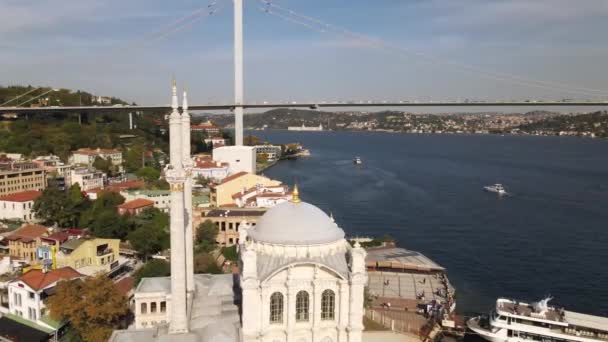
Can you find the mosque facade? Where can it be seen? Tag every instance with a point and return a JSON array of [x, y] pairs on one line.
[[299, 279]]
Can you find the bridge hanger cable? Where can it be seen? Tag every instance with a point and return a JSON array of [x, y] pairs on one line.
[[317, 25], [19, 96], [180, 24], [33, 98], [177, 25]]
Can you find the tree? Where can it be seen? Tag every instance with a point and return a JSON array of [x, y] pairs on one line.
[[202, 180], [230, 253], [104, 205], [153, 268], [93, 306], [206, 234], [149, 174], [134, 158], [76, 204], [151, 233], [205, 263], [251, 140], [261, 158], [110, 225], [50, 206], [101, 164]]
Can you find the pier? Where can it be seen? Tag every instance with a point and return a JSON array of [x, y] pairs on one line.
[[409, 293]]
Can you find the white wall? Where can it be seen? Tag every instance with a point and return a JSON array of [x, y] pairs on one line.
[[239, 158], [150, 319], [17, 210], [21, 307]]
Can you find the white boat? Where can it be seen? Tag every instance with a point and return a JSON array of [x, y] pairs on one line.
[[357, 161], [497, 188], [514, 321]]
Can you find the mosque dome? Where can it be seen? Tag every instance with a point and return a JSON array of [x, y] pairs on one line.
[[296, 223]]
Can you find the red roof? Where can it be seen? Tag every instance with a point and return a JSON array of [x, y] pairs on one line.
[[93, 152], [28, 232], [37, 279], [233, 177], [117, 187], [208, 164], [60, 237], [136, 204], [243, 193], [203, 126], [274, 194], [125, 285], [94, 191], [23, 196]]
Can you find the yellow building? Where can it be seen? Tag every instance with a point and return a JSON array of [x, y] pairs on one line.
[[23, 242], [228, 222], [221, 194], [89, 256], [19, 180]]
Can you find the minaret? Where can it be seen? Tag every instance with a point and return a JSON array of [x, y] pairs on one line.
[[176, 177], [187, 161]]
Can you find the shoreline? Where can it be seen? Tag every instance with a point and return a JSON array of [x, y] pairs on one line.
[[437, 133]]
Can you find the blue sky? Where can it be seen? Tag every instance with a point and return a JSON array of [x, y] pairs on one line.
[[430, 49]]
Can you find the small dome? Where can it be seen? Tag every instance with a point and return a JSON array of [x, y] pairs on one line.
[[296, 223]]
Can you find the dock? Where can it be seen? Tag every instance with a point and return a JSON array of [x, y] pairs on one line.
[[409, 292]]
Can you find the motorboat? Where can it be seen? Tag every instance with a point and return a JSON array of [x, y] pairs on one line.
[[497, 188]]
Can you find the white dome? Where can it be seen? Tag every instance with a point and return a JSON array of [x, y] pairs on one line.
[[299, 223]]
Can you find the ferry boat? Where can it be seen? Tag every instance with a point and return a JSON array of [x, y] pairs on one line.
[[497, 188], [357, 161], [514, 321]]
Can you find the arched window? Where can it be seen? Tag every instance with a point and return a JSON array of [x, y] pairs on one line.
[[302, 305], [276, 308], [328, 305]]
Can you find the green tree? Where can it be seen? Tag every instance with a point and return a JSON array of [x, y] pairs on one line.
[[93, 306], [230, 253], [109, 224], [151, 234], [149, 174], [77, 203], [251, 140], [202, 181], [101, 164], [134, 158], [51, 206], [153, 268], [205, 263], [261, 158], [148, 240], [206, 235], [106, 202]]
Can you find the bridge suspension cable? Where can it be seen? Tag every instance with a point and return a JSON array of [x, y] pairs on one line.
[[320, 26], [211, 9], [19, 96], [33, 98]]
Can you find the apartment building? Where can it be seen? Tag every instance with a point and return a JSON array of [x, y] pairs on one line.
[[14, 180]]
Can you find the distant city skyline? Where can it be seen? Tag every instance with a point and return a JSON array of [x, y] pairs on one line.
[[120, 49]]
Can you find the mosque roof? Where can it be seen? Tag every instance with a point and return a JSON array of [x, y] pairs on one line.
[[296, 223]]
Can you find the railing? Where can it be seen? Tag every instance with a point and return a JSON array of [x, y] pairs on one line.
[[105, 252], [390, 319]]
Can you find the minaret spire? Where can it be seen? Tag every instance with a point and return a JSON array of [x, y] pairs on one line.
[[176, 177], [187, 162], [174, 104]]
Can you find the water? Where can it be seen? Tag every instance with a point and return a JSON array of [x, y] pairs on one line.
[[549, 237]]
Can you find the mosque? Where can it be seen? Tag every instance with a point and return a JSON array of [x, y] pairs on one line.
[[299, 279]]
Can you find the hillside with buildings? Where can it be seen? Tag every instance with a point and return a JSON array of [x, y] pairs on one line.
[[535, 122], [30, 96]]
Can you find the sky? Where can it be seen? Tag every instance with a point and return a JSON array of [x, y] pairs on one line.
[[363, 50]]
